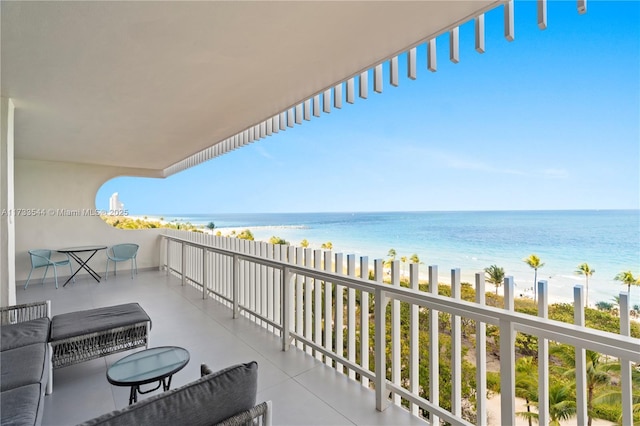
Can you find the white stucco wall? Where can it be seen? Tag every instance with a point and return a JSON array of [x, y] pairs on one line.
[[7, 220], [56, 186]]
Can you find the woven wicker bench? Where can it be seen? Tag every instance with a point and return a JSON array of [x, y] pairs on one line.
[[85, 335]]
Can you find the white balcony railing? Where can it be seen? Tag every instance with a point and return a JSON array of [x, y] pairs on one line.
[[300, 293]]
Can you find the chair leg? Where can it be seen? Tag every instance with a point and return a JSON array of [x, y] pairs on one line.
[[71, 269], [28, 278], [45, 273], [106, 272], [55, 274]]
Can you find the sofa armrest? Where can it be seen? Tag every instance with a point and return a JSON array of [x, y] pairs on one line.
[[25, 312], [260, 415]]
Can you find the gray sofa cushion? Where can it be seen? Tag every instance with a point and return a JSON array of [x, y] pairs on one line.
[[206, 401], [23, 366], [24, 333], [94, 320], [20, 406]]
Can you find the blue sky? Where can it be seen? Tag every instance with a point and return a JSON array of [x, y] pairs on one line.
[[548, 121]]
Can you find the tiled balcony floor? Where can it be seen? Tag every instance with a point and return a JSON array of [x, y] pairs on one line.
[[303, 390]]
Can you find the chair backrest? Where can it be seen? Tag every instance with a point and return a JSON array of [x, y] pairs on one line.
[[40, 257], [124, 251]]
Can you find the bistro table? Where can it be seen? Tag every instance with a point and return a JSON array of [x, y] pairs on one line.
[[74, 252], [148, 366]]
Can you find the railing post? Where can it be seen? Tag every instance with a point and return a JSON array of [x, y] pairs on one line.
[[395, 332], [184, 263], [328, 310], [204, 272], [625, 366], [456, 349], [351, 315], [543, 358], [382, 400], [414, 339], [339, 312], [581, 359], [364, 320], [507, 360], [236, 284], [287, 284], [434, 348], [481, 355], [168, 270]]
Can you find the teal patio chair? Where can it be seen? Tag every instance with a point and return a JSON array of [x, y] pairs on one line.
[[42, 258], [121, 253]]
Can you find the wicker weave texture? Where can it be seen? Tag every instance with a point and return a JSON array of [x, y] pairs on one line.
[[253, 417], [25, 312], [95, 345]]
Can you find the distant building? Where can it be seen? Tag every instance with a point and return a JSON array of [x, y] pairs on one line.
[[114, 203]]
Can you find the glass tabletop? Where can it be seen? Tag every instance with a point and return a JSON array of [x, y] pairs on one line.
[[147, 366], [80, 249]]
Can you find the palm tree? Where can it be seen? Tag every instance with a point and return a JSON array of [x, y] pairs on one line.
[[562, 406], [392, 256], [328, 245], [211, 226], [495, 275], [403, 259], [527, 383], [627, 278], [304, 243], [414, 258], [585, 269], [534, 262], [598, 372]]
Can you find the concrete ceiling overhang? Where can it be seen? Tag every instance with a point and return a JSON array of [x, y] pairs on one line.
[[144, 85]]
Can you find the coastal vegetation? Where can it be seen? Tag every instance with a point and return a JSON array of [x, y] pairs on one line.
[[587, 271], [534, 262]]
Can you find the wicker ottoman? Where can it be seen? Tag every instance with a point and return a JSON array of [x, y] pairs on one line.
[[85, 335]]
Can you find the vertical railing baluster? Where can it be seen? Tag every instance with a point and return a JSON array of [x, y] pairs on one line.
[[434, 347], [236, 284], [581, 358], [299, 297], [168, 256], [414, 338], [380, 309], [507, 359], [339, 321], [252, 278], [456, 349], [271, 248], [247, 266], [308, 306], [317, 303], [351, 315], [204, 272], [287, 299], [364, 321], [263, 282], [396, 363], [328, 309], [291, 299], [481, 355], [543, 358], [625, 366], [183, 266], [277, 255]]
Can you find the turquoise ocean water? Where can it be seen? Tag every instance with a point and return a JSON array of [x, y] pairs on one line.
[[609, 240]]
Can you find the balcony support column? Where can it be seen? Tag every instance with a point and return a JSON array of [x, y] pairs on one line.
[[507, 360], [382, 399], [168, 256], [236, 284]]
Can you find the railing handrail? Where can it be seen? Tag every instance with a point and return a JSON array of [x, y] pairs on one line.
[[624, 347]]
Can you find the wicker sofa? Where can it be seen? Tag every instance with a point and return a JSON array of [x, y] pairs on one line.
[[33, 343], [24, 361], [226, 397]]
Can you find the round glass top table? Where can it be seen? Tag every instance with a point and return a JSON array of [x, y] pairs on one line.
[[148, 366]]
